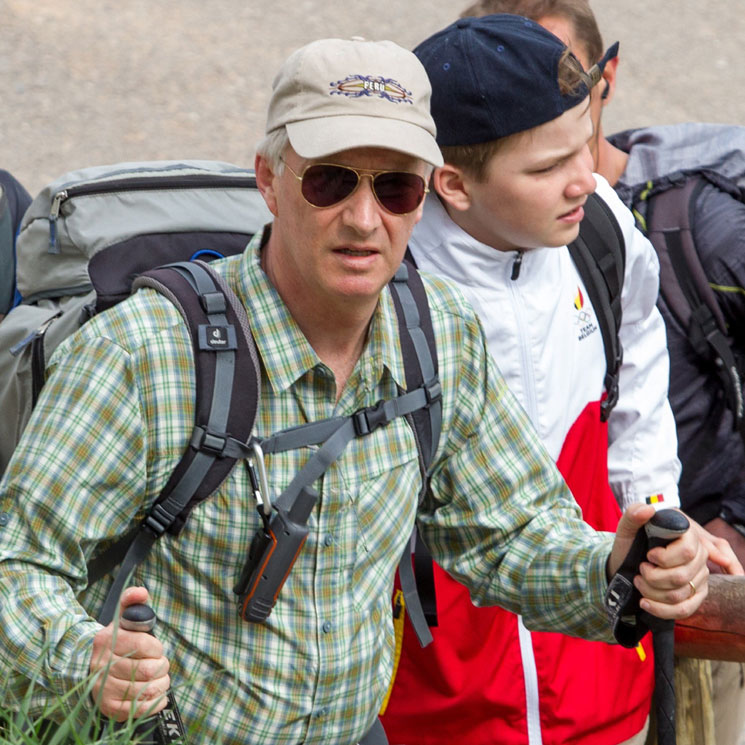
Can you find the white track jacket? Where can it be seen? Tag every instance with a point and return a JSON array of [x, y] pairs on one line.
[[543, 333]]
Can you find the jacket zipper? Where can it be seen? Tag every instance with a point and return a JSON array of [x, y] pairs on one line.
[[529, 668], [516, 266]]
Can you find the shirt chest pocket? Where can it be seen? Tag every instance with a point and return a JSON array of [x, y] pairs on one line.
[[368, 505]]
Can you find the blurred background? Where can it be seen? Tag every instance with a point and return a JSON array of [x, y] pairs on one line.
[[90, 82]]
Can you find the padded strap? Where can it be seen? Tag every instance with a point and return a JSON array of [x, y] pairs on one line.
[[600, 257], [419, 353], [222, 345]]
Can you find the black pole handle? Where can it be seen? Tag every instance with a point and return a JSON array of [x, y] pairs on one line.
[[138, 617], [166, 726], [663, 528]]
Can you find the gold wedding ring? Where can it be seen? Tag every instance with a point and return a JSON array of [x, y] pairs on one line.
[[693, 588]]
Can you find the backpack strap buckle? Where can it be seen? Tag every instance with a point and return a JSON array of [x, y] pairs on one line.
[[369, 419], [433, 391], [158, 520], [213, 303], [611, 399], [210, 443]]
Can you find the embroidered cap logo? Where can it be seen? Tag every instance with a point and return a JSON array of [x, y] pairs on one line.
[[356, 86]]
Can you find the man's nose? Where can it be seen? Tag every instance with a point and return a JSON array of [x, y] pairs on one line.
[[361, 209]]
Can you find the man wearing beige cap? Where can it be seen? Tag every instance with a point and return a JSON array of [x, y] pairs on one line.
[[349, 148]]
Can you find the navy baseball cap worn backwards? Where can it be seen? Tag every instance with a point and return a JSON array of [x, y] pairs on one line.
[[494, 76]]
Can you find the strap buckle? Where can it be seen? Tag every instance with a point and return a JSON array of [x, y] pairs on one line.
[[369, 419], [159, 520], [433, 391], [210, 443], [611, 399], [213, 302]]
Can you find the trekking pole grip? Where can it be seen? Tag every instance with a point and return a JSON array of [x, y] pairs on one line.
[[166, 726], [665, 526]]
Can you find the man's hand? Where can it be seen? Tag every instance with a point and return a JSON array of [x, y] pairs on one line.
[[673, 580], [132, 667], [724, 542]]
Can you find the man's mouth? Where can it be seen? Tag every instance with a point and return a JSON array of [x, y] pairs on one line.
[[355, 252]]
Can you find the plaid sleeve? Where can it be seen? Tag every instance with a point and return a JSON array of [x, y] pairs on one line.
[[501, 518], [76, 478]]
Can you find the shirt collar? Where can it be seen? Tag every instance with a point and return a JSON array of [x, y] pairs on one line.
[[279, 338]]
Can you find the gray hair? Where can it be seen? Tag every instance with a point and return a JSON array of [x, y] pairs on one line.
[[273, 146]]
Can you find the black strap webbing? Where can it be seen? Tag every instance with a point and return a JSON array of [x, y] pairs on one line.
[[685, 287], [600, 257], [222, 344], [219, 332], [420, 361]]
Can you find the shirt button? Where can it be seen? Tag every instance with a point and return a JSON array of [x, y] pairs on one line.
[[328, 540], [4, 518], [327, 626]]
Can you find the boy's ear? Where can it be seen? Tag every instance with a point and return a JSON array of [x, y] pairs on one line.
[[265, 181], [451, 184]]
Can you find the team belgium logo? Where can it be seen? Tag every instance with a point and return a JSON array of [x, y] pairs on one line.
[[584, 318], [357, 86]]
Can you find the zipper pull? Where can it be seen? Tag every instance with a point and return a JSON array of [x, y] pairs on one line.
[[59, 197], [516, 266]]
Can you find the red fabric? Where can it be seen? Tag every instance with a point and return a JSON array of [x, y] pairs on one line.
[[468, 685]]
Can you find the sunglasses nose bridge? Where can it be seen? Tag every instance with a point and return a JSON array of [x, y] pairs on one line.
[[363, 175]]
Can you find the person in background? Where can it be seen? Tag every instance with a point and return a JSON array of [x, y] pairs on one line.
[[712, 482], [14, 201], [350, 146], [514, 120]]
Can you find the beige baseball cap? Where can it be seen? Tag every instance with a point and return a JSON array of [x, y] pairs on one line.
[[337, 94]]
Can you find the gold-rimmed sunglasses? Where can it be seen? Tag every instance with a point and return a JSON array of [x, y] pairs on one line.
[[326, 184]]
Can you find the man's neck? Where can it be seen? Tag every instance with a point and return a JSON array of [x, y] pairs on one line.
[[337, 331], [610, 161]]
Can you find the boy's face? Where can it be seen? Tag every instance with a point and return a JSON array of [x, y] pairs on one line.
[[535, 186]]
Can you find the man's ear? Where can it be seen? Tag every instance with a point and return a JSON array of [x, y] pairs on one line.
[[266, 182], [609, 80], [451, 184]]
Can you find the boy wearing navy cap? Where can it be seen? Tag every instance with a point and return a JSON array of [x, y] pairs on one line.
[[513, 122]]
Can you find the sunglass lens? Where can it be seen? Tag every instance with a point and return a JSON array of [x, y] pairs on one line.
[[324, 185], [399, 192]]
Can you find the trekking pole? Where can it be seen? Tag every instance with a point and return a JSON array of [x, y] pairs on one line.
[[664, 527], [166, 726]]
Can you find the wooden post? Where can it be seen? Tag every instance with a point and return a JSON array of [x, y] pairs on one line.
[[717, 630]]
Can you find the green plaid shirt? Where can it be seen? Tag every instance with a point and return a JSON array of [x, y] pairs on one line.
[[114, 419]]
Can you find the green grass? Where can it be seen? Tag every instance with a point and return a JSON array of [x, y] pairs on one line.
[[68, 720]]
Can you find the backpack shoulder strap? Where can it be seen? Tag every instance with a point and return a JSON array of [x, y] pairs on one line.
[[685, 287], [420, 362], [599, 253], [419, 351], [227, 394]]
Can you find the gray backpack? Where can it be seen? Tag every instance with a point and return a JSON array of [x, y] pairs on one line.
[[87, 235], [92, 237], [669, 167]]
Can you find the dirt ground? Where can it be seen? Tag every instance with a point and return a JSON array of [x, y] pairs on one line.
[[89, 82]]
